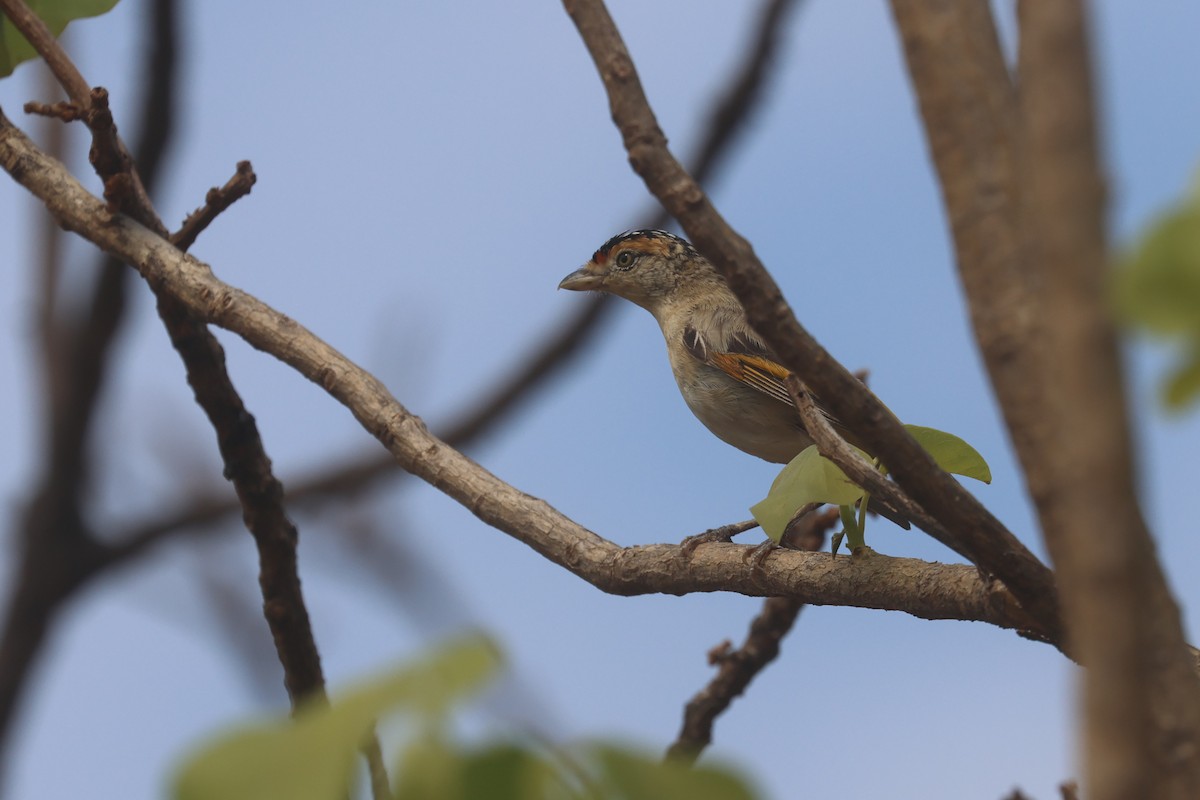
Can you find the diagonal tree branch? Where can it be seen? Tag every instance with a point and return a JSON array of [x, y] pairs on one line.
[[968, 104]]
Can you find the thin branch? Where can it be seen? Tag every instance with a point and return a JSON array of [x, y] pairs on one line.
[[979, 534], [737, 668], [216, 201], [261, 495], [838, 450], [874, 582]]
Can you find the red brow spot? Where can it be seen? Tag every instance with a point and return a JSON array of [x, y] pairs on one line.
[[599, 256]]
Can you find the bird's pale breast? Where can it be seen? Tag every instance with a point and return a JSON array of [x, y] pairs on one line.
[[744, 417]]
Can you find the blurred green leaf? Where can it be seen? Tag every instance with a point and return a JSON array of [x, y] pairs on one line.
[[952, 453], [1157, 287], [628, 775], [807, 478], [312, 756], [1158, 284], [434, 769], [508, 772], [1182, 385], [56, 14]]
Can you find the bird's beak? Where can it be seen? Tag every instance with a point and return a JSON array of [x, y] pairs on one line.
[[587, 278]]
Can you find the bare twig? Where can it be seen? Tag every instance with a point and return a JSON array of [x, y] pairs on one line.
[[979, 534], [63, 112], [737, 668], [216, 201]]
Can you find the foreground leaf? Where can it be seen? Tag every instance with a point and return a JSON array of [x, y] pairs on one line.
[[628, 775], [507, 771], [56, 14], [1182, 385], [1158, 288], [952, 453], [312, 756], [807, 478]]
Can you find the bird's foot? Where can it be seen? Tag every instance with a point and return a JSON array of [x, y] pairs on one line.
[[758, 556], [723, 534]]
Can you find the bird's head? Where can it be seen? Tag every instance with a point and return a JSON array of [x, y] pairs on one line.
[[645, 267]]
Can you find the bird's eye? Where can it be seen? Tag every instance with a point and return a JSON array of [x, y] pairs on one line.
[[625, 259]]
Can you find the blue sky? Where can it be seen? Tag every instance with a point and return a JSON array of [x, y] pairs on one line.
[[427, 174]]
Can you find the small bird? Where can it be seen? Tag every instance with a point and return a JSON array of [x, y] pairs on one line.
[[727, 375]]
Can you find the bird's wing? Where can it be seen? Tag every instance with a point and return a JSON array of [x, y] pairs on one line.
[[754, 371], [747, 360], [742, 358]]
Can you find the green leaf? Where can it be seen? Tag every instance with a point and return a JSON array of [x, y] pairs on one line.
[[427, 767], [431, 767], [312, 756], [56, 14], [631, 776], [1157, 287], [952, 453], [1158, 284], [807, 478], [508, 772], [1182, 385], [851, 528]]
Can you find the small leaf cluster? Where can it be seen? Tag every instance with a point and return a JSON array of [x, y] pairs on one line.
[[812, 478], [313, 754]]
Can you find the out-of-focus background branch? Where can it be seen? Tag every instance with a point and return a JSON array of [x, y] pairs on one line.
[[59, 550]]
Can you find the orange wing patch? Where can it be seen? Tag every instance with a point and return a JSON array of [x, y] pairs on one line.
[[755, 371]]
